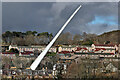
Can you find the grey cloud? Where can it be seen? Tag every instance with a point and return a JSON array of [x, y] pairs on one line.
[[60, 0], [51, 16]]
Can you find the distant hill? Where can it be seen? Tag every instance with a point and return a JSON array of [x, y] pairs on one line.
[[108, 37]]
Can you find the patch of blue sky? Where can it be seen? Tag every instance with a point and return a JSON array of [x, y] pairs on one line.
[[109, 20]]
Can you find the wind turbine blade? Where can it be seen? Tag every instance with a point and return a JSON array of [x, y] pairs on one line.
[[40, 57]]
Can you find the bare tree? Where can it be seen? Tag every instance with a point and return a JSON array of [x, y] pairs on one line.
[[17, 62], [29, 39], [77, 38], [6, 62], [64, 38]]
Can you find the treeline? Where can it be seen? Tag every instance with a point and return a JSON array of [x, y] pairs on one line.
[[76, 39], [27, 38], [34, 38]]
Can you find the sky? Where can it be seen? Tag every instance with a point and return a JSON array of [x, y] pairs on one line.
[[93, 17]]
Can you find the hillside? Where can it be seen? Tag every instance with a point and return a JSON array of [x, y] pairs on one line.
[[112, 37]]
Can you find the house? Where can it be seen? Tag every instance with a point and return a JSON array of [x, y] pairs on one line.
[[9, 54], [64, 52], [31, 48], [57, 67], [26, 53], [104, 48], [99, 50], [66, 56], [66, 48], [108, 67], [111, 68], [81, 49], [4, 48]]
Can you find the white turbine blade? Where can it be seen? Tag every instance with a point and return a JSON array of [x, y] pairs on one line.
[[40, 57]]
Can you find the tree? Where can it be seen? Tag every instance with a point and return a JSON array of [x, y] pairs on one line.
[[21, 62], [50, 37], [19, 41], [76, 39], [87, 43], [44, 37], [43, 34], [83, 68], [17, 62], [6, 61], [29, 40], [107, 42], [29, 32], [76, 70], [36, 52], [34, 33], [17, 34], [64, 38], [84, 35], [14, 50], [7, 37]]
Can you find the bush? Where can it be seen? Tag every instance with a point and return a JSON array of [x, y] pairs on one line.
[[14, 50]]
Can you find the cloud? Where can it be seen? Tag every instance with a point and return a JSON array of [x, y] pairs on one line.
[[50, 16]]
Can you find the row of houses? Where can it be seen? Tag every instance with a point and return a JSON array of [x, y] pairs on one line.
[[94, 49], [31, 48]]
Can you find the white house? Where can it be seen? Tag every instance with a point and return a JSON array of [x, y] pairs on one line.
[[110, 67]]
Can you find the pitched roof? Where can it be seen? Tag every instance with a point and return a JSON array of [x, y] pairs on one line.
[[26, 53], [8, 53], [64, 52], [90, 53], [79, 48], [112, 45], [97, 49]]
